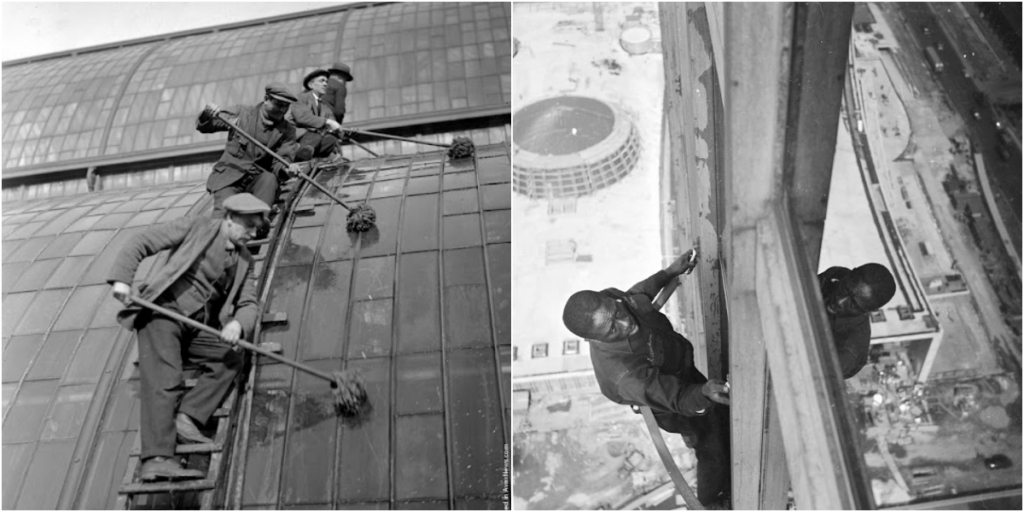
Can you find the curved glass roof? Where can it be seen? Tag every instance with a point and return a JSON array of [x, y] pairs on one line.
[[420, 306], [408, 60], [60, 335]]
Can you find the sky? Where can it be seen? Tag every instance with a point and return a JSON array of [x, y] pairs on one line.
[[37, 28]]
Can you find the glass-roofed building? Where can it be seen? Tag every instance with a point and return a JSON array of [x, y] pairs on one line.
[[100, 144]]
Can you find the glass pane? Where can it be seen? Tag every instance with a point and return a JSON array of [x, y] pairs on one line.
[[16, 459], [327, 311], [461, 231], [26, 415], [92, 242], [338, 242], [50, 464], [14, 306], [312, 433], [266, 435], [497, 197], [288, 296], [17, 354], [61, 245], [419, 383], [42, 312], [34, 276], [464, 266], [419, 311], [420, 468], [68, 412], [500, 259], [69, 272], [476, 419], [499, 226], [365, 451], [91, 358], [371, 329], [494, 170], [374, 278], [460, 201], [79, 311], [301, 246], [53, 359], [419, 226], [29, 249], [11, 273], [106, 471], [467, 322]]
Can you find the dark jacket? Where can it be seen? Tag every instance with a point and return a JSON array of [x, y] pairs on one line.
[[852, 335], [241, 156], [187, 240], [334, 98], [654, 367], [308, 115]]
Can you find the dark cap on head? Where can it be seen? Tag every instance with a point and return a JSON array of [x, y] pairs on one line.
[[342, 69], [245, 203], [280, 91], [313, 74], [879, 282]]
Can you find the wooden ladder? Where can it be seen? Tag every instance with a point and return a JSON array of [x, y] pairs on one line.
[[131, 486]]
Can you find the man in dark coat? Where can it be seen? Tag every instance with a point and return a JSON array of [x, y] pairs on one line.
[[849, 296], [640, 360], [243, 167], [314, 121], [208, 278], [337, 89]]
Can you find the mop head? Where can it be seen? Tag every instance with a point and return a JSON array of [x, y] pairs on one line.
[[349, 393], [462, 147], [361, 218]]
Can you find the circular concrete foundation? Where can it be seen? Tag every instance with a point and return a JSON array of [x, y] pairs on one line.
[[571, 146], [637, 40]]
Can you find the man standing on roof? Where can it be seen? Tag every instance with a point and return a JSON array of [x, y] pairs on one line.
[[337, 89], [640, 360], [208, 278], [243, 167], [849, 296], [314, 121]]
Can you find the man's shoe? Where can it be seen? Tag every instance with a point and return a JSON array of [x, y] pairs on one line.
[[162, 468], [187, 430]]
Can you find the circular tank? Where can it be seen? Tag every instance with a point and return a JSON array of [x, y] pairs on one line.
[[571, 146], [637, 40]]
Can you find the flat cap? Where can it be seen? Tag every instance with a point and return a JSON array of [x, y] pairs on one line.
[[245, 203], [313, 74], [280, 91], [342, 69]]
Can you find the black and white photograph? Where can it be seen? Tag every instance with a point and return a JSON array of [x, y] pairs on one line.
[[256, 255], [767, 256]]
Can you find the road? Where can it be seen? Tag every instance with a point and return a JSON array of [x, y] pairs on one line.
[[963, 97]]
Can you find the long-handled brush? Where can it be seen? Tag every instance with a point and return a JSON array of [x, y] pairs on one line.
[[346, 386], [361, 217], [461, 147]]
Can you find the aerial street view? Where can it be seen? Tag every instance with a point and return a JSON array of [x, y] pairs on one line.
[[868, 350]]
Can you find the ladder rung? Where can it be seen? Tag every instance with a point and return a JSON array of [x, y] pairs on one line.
[[168, 486], [275, 317], [184, 449]]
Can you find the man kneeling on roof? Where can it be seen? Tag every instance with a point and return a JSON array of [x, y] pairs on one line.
[[640, 360], [243, 167], [208, 278]]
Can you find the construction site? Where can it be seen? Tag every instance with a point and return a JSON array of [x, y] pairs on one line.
[[100, 145], [919, 172]]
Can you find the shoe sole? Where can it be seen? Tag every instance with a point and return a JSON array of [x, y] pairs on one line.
[[162, 478], [187, 440]]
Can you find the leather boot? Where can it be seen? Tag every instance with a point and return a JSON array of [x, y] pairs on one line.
[[163, 468]]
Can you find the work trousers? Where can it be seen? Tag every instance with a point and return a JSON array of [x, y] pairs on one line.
[[708, 435], [261, 184], [163, 343], [322, 145]]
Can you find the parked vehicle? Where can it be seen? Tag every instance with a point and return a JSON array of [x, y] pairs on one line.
[[998, 462]]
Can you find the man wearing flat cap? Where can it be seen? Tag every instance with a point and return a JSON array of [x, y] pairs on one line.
[[243, 167], [208, 278], [337, 89], [314, 121]]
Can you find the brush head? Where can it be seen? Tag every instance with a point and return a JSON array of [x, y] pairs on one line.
[[462, 147], [361, 218], [349, 392]]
